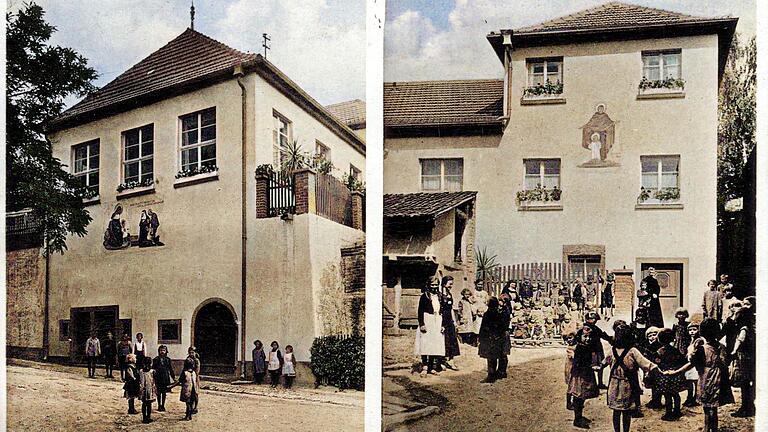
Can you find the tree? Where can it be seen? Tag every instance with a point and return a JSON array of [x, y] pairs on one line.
[[39, 78]]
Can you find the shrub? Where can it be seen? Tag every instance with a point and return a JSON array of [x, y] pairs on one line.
[[339, 361]]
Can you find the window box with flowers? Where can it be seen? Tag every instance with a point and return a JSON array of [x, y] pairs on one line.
[[667, 197], [668, 87], [540, 198], [135, 188], [191, 176], [90, 195], [546, 93]]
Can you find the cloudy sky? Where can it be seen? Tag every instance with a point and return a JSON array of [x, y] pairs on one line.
[[445, 39], [320, 44]]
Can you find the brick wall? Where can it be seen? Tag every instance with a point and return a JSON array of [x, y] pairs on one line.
[[353, 280], [624, 292], [25, 301]]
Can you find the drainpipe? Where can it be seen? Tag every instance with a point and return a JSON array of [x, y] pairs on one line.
[[46, 318], [238, 72]]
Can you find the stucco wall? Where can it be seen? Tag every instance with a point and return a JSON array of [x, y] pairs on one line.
[[25, 297], [598, 203]]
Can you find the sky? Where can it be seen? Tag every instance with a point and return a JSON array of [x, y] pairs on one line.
[[320, 44], [445, 39]]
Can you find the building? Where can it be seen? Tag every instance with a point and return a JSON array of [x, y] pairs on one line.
[[351, 113], [425, 234], [596, 151], [218, 247]]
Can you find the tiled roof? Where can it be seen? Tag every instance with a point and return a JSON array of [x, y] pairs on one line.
[[189, 57], [351, 113], [424, 204], [612, 15], [435, 103]]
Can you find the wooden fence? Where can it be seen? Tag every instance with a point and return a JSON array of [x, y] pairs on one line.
[[333, 199], [281, 193], [541, 272]]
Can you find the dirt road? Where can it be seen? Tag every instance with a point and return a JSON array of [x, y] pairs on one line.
[[531, 399], [54, 400]]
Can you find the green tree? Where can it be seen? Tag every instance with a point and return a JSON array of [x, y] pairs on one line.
[[39, 78]]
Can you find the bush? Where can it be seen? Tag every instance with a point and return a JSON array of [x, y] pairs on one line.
[[339, 361]]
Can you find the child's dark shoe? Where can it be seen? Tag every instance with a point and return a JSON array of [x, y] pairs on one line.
[[653, 404], [689, 403], [161, 408], [488, 380], [569, 406], [602, 387], [637, 414], [581, 423], [132, 412]]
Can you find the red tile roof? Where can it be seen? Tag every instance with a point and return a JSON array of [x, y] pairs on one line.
[[424, 204], [434, 103], [189, 57], [612, 15], [351, 113]]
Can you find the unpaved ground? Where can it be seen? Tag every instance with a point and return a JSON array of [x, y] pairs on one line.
[[531, 399], [56, 399]]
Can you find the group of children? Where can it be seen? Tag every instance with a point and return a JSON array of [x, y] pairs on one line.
[[275, 363], [156, 378], [689, 356]]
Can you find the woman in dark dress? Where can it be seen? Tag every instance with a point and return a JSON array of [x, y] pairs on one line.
[[449, 325], [164, 375], [491, 338], [655, 318]]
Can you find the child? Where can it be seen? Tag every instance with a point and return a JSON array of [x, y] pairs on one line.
[[709, 358], [92, 353], [561, 309], [147, 390], [289, 367], [712, 303], [140, 349], [606, 296], [582, 384], [577, 294], [195, 357], [109, 350], [670, 386], [275, 364], [680, 330], [123, 349], [189, 387], [466, 327], [259, 362], [164, 375], [743, 355], [590, 321], [570, 345], [691, 376], [623, 395], [131, 386]]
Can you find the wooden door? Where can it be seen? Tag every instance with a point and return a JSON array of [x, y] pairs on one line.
[[670, 277]]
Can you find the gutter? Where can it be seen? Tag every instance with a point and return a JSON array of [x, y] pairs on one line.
[[239, 74]]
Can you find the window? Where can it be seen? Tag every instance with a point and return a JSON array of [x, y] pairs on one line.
[[281, 139], [542, 173], [169, 331], [355, 172], [660, 65], [86, 164], [322, 151], [542, 70], [138, 150], [198, 140], [63, 330], [660, 178], [583, 265], [442, 174]]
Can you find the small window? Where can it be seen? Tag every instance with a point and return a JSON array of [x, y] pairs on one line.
[[542, 173], [169, 331], [442, 175], [660, 174], [138, 153], [63, 330], [543, 71], [322, 151], [661, 65], [85, 159], [198, 140], [584, 265], [281, 139], [355, 172]]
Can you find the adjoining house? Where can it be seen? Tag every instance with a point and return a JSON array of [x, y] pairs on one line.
[[596, 152], [351, 113], [425, 235], [198, 237]]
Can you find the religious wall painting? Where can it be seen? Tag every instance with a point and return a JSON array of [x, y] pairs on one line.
[[598, 136], [118, 234]]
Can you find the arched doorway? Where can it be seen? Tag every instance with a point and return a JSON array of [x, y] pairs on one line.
[[215, 336]]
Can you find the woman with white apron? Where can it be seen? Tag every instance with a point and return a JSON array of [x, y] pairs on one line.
[[430, 342]]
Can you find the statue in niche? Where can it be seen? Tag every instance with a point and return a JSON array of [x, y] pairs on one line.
[[598, 137]]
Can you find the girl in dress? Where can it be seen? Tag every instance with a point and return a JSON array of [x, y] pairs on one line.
[[466, 327], [449, 325], [147, 390], [259, 362], [623, 395], [606, 296], [189, 387], [680, 330], [430, 342], [195, 358], [164, 375], [582, 384], [709, 358], [743, 373], [670, 387], [140, 349], [570, 345], [289, 367], [123, 349], [691, 376], [131, 386], [275, 364]]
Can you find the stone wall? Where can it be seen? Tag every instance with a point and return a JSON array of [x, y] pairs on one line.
[[353, 280], [25, 302]]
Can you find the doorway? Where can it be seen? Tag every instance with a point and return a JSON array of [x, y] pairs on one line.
[[215, 337], [101, 319], [670, 277]]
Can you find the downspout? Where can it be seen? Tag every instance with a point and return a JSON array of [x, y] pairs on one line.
[[238, 72], [46, 318]]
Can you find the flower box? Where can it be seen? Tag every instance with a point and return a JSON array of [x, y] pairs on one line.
[[663, 196], [199, 177], [670, 87], [539, 196]]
